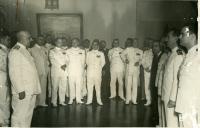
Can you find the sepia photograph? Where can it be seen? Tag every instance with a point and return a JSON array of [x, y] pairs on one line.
[[99, 63]]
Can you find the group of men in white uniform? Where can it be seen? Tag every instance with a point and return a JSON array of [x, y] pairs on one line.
[[177, 80], [74, 72]]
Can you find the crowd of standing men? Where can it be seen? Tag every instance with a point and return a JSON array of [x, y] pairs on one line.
[[60, 70]]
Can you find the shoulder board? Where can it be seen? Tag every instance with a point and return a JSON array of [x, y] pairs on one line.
[[16, 47], [179, 52]]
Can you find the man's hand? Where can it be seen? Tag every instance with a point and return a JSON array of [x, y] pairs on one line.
[[63, 67], [127, 61], [171, 104], [137, 64], [22, 95]]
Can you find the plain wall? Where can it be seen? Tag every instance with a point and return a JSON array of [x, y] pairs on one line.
[[105, 19], [102, 19]]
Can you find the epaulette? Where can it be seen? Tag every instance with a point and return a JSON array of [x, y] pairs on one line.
[[179, 52], [16, 47]]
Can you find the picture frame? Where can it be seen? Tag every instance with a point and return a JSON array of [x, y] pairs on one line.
[[60, 24]]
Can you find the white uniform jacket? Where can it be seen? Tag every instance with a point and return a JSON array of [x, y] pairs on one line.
[[76, 61], [170, 81], [22, 71], [40, 55], [133, 55], [3, 66], [95, 62], [188, 96], [160, 72], [58, 58], [147, 59], [116, 62]]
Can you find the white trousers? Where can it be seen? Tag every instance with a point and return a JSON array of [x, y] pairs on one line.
[[94, 81], [4, 105], [22, 110], [116, 76], [131, 86], [49, 83], [59, 84], [171, 116], [161, 113], [67, 88], [189, 120], [75, 87], [84, 86], [41, 98], [146, 86]]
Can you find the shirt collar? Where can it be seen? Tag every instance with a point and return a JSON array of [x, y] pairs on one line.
[[174, 49], [77, 48], [3, 47], [21, 45], [192, 50], [65, 47], [36, 45], [57, 48]]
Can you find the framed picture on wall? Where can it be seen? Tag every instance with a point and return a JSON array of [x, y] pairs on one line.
[[60, 25]]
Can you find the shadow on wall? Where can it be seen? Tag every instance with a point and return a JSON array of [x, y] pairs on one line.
[[125, 25], [94, 24]]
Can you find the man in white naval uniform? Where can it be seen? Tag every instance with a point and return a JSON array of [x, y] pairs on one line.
[[40, 55], [75, 70], [59, 63], [25, 81], [146, 63], [188, 97], [95, 61], [132, 57], [170, 79], [4, 83], [116, 70], [159, 79]]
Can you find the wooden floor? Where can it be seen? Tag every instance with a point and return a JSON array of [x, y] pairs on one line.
[[113, 113]]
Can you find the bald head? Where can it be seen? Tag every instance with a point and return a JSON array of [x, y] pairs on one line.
[[24, 38]]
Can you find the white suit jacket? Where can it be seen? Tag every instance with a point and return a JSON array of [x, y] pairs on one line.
[[95, 62], [188, 97], [170, 79], [116, 62], [147, 59], [40, 55], [133, 55], [76, 61], [160, 72], [58, 58], [3, 66], [22, 71]]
